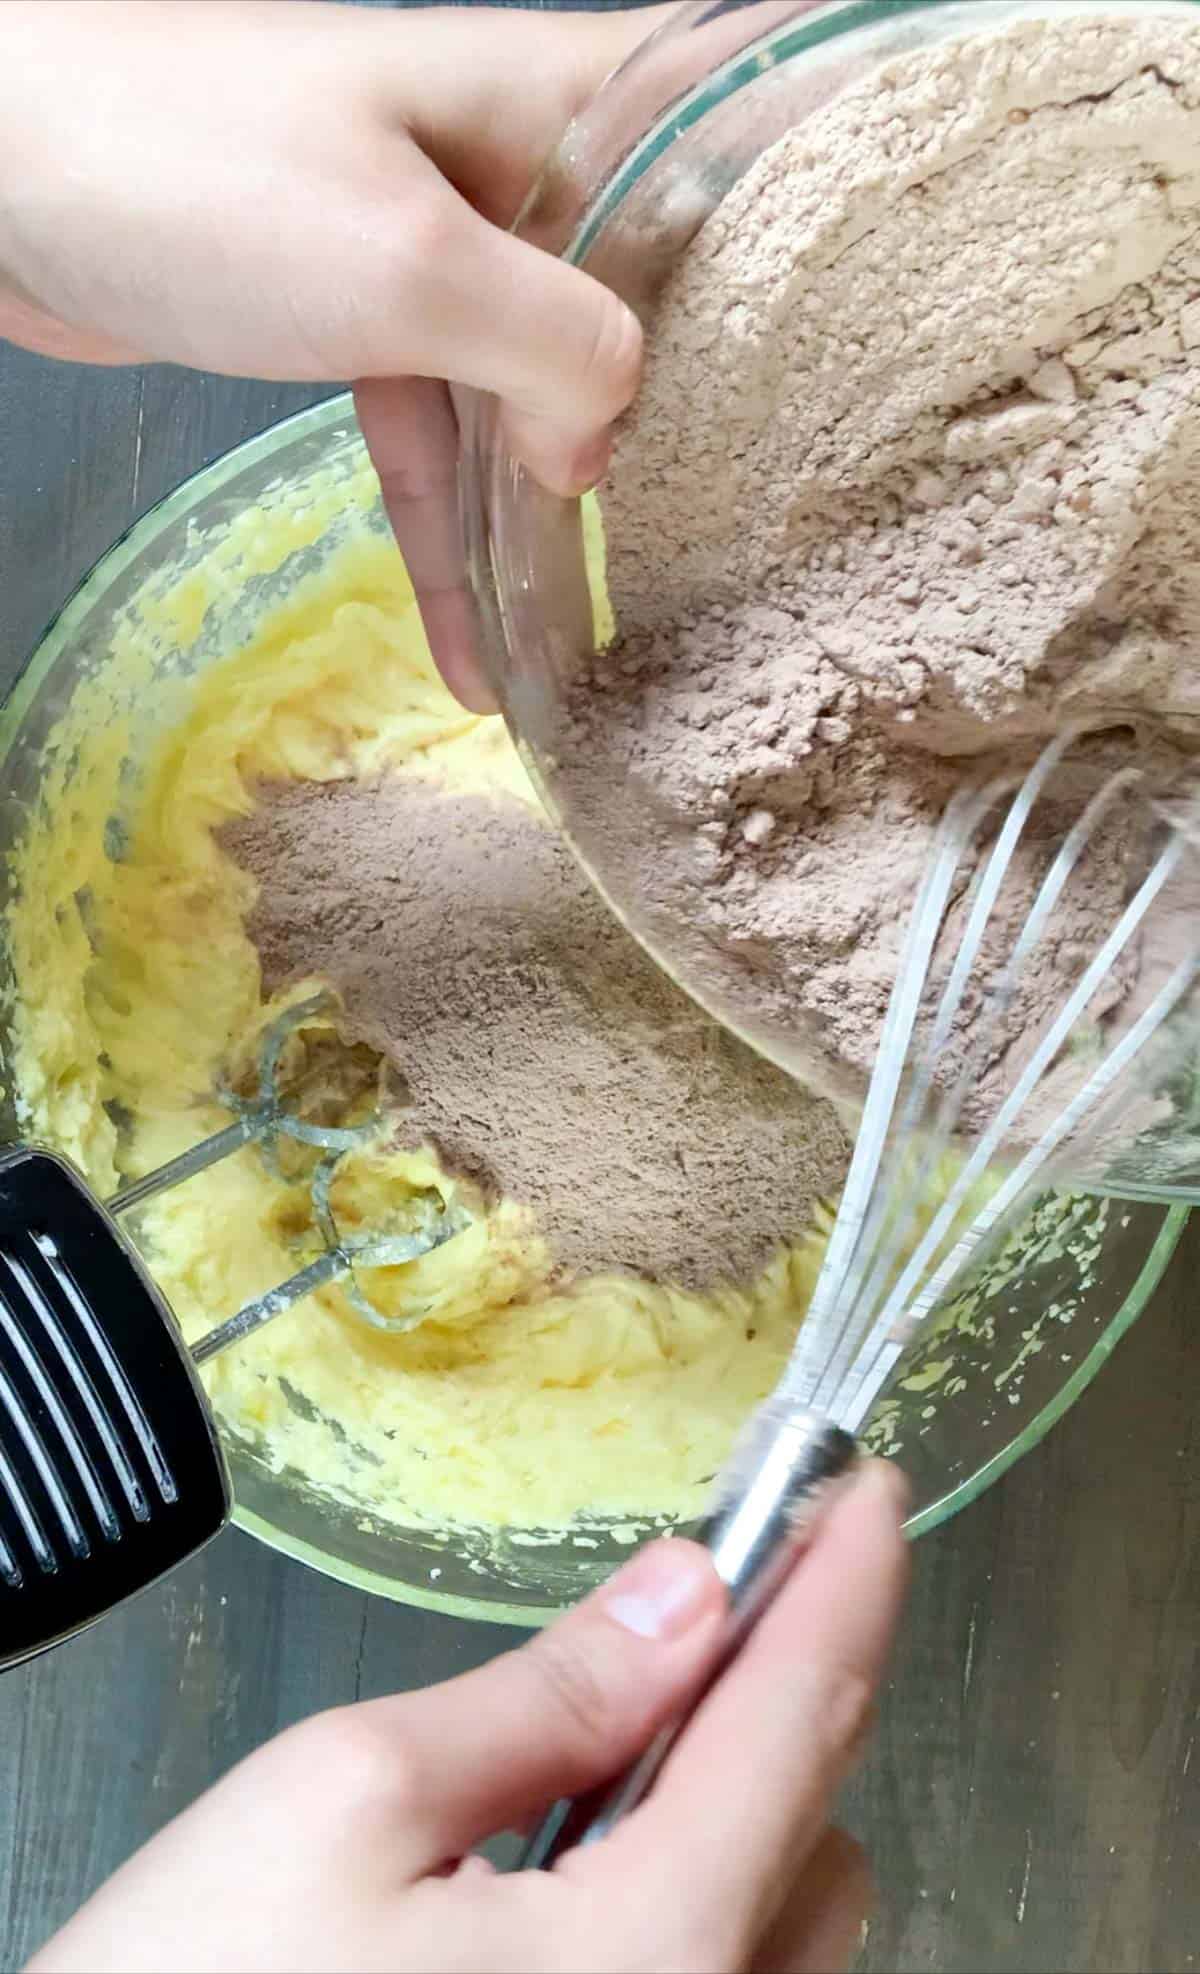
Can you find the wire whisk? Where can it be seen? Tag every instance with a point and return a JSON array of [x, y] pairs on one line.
[[983, 1095]]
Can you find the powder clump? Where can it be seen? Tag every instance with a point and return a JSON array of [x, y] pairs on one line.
[[543, 1056], [914, 476]]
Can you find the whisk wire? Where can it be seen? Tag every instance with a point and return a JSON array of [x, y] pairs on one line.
[[897, 1206], [911, 1186], [1076, 841], [924, 1279], [984, 904], [899, 1322], [812, 1347], [1048, 1048], [876, 1283], [866, 1237]]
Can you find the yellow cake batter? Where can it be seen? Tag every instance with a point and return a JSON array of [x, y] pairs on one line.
[[513, 1404]]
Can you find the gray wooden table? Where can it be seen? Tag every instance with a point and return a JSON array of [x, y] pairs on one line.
[[1031, 1800]]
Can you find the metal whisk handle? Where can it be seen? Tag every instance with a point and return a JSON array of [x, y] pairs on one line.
[[770, 1496]]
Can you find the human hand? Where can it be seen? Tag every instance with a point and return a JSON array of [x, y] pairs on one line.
[[343, 1845], [284, 189]]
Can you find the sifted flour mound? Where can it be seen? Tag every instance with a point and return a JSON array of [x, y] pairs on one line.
[[544, 1056], [914, 474]]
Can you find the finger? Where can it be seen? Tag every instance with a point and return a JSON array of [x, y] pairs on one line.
[[558, 414], [461, 112], [567, 1711], [561, 351], [748, 1789], [820, 1926], [411, 433]]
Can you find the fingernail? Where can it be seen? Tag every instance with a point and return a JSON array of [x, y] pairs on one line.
[[591, 463], [663, 1591]]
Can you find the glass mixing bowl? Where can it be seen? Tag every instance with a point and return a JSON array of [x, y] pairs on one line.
[[986, 1382], [637, 174]]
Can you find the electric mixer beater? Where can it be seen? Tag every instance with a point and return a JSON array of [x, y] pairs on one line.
[[110, 1469]]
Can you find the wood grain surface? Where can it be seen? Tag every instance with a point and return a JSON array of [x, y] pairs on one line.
[[1032, 1799]]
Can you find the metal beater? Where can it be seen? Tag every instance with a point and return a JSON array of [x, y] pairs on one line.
[[268, 1118], [111, 1472]]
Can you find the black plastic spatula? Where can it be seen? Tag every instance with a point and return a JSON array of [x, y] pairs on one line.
[[110, 1470]]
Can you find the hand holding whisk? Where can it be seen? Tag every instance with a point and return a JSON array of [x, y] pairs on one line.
[[1013, 1055]]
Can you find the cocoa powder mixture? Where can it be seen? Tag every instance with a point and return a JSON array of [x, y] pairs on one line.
[[544, 1057], [914, 475]]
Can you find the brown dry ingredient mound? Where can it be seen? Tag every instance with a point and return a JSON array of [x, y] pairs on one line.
[[544, 1056], [914, 474]]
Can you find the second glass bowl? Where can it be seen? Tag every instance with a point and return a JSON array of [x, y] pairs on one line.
[[634, 179]]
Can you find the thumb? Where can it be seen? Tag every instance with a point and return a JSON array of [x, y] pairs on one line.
[[558, 420], [562, 352], [780, 1727], [565, 1712]]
